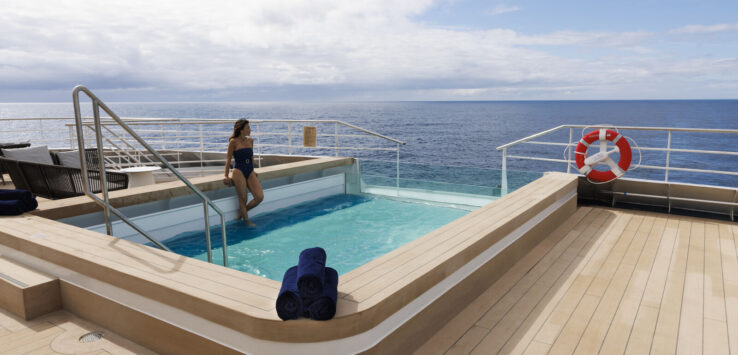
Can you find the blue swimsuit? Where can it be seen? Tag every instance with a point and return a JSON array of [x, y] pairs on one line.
[[244, 157]]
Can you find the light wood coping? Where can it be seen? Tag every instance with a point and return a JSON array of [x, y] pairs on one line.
[[244, 302], [75, 206], [25, 292]]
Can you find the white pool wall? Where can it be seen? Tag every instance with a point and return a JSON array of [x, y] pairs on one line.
[[164, 225]]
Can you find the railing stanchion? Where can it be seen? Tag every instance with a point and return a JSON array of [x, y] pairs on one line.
[[202, 145], [207, 231], [71, 138], [289, 139], [258, 143], [568, 147], [101, 161], [398, 169], [335, 132], [224, 241], [668, 153], [503, 191]]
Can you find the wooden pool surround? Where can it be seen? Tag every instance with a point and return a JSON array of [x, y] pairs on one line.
[[243, 302]]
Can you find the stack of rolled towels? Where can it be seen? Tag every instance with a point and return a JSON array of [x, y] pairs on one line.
[[15, 202], [309, 289]]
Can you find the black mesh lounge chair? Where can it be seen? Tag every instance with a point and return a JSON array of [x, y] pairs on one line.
[[9, 146], [55, 181]]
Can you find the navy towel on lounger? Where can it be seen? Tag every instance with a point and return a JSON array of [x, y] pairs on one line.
[[324, 307], [289, 303], [311, 273], [15, 202]]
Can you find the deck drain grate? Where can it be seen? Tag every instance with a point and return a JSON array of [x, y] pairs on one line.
[[91, 337]]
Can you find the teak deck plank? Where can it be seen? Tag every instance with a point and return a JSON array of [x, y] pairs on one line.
[[556, 321], [617, 336], [506, 317], [525, 333], [669, 277], [599, 324], [729, 260], [691, 323], [458, 326], [573, 330], [667, 326]]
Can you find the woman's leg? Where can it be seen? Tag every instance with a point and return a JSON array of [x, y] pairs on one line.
[[255, 187], [242, 191]]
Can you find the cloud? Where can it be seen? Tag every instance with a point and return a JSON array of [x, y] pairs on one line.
[[502, 9], [330, 49], [699, 29]]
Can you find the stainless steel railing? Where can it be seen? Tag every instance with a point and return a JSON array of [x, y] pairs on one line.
[[667, 167], [105, 202], [207, 135]]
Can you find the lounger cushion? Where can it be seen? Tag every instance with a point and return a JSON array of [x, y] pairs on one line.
[[38, 154], [70, 159]]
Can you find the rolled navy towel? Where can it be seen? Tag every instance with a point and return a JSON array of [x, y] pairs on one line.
[[324, 307], [15, 202], [311, 272], [289, 302], [11, 207]]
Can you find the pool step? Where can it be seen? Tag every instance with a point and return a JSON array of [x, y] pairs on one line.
[[25, 292]]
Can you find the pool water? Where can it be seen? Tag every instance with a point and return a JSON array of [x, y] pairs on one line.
[[353, 230]]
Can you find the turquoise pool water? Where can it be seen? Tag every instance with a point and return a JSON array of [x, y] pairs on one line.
[[353, 229]]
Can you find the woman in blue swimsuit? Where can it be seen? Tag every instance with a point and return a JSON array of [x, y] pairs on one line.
[[241, 148]]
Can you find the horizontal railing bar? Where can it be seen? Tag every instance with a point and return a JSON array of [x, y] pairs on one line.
[[665, 129], [175, 121], [632, 128], [673, 198], [680, 150], [721, 172], [537, 158]]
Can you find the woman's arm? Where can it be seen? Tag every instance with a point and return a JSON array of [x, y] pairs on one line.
[[229, 156]]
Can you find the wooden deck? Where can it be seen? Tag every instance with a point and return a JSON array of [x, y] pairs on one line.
[[612, 282], [59, 333]]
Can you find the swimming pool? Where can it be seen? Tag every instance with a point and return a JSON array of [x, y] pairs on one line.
[[353, 229]]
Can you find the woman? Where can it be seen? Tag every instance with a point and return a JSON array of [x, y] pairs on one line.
[[241, 147]]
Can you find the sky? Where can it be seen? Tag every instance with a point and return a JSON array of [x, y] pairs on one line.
[[337, 50]]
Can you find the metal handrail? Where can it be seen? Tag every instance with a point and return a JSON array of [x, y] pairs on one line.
[[105, 203], [668, 149]]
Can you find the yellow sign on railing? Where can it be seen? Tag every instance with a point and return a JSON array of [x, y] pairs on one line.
[[309, 136]]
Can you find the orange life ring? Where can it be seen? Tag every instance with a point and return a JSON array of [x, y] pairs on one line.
[[585, 163]]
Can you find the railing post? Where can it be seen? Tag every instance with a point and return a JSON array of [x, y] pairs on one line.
[[101, 160], [202, 147], [335, 132], [568, 147], [503, 191], [71, 138], [163, 140], [258, 143], [207, 231], [289, 139], [223, 238], [41, 128], [398, 169], [668, 153]]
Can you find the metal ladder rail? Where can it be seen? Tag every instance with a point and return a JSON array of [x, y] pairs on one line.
[[105, 202], [120, 152]]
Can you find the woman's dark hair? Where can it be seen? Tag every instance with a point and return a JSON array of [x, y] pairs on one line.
[[240, 124]]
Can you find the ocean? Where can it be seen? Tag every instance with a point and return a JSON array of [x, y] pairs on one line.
[[465, 134]]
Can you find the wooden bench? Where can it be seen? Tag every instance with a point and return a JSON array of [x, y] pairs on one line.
[[27, 293]]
